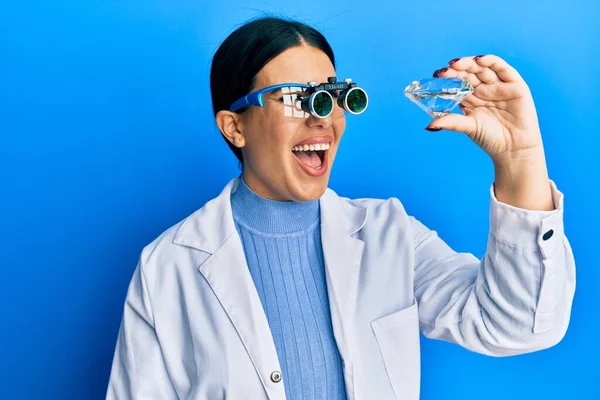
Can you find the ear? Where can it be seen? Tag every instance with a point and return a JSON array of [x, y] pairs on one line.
[[230, 125]]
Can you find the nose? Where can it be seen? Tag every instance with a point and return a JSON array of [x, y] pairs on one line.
[[319, 123]]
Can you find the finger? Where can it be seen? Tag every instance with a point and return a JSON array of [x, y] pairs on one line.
[[501, 68], [452, 73], [454, 122], [468, 64], [463, 63], [446, 73], [487, 76]]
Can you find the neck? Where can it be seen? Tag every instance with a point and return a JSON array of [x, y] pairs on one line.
[[272, 216]]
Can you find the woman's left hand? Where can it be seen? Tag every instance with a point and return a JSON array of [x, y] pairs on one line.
[[499, 116]]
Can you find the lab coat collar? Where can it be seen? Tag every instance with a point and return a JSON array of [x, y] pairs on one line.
[[209, 227]]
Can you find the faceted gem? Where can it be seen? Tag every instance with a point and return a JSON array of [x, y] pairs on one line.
[[438, 96]]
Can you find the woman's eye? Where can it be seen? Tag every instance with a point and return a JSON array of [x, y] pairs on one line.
[[291, 97]]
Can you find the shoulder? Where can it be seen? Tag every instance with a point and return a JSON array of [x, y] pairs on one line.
[[391, 204], [155, 251], [377, 210], [192, 239], [382, 223]]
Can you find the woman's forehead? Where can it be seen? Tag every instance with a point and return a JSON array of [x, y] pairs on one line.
[[296, 65]]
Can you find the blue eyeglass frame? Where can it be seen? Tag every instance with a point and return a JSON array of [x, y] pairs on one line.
[[256, 98]]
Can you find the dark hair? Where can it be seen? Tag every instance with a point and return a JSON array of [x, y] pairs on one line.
[[247, 50]]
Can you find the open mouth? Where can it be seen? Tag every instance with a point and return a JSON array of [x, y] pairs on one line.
[[311, 155]]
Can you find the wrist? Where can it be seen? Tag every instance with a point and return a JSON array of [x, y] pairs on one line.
[[522, 180]]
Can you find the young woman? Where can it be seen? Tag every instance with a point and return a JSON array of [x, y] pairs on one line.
[[280, 289]]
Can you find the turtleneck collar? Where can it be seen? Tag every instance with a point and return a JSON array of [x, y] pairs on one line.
[[272, 216]]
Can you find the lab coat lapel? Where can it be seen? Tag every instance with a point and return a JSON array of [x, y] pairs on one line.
[[229, 277], [212, 230], [342, 252]]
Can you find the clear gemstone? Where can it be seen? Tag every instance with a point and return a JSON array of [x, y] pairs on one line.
[[438, 96]]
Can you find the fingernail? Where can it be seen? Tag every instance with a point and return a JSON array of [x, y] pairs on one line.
[[433, 129], [478, 57], [453, 61], [439, 71]]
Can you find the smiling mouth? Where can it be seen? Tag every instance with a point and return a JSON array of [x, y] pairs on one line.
[[311, 155]]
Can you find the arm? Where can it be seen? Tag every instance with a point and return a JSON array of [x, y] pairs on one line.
[[516, 300], [138, 369]]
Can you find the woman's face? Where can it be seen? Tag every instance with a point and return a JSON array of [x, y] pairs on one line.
[[273, 166]]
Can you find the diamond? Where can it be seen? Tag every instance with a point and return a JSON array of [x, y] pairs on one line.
[[438, 96]]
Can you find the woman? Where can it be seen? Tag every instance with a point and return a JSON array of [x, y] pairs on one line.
[[280, 289]]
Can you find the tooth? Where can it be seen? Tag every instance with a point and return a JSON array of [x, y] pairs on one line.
[[317, 147], [306, 147], [311, 147]]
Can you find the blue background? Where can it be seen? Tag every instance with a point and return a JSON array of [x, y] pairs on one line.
[[107, 139]]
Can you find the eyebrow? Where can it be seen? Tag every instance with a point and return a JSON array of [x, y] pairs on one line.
[[279, 92]]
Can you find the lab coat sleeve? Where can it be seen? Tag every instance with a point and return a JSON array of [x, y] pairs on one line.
[[138, 368], [516, 299]]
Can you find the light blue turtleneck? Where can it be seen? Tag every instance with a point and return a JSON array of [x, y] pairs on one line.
[[282, 243]]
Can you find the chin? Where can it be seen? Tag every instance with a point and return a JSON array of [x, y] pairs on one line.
[[312, 191]]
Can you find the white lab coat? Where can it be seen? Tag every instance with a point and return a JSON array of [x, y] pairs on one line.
[[194, 328]]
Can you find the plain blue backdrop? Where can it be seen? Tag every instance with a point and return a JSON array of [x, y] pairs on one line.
[[107, 139]]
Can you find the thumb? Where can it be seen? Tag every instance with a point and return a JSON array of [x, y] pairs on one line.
[[454, 122]]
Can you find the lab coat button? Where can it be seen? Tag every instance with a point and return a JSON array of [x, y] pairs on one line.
[[276, 376], [548, 234]]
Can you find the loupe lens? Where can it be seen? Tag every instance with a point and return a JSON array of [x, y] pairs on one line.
[[321, 104], [355, 100]]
